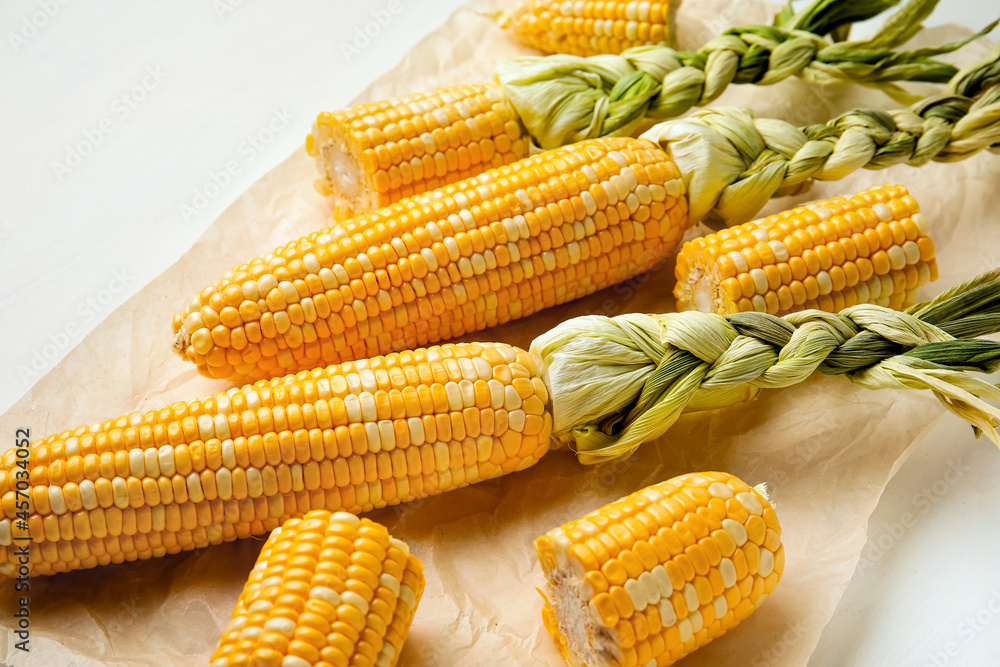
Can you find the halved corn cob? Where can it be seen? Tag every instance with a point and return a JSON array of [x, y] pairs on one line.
[[592, 27], [477, 253], [650, 578], [327, 589], [372, 155], [831, 254], [353, 437]]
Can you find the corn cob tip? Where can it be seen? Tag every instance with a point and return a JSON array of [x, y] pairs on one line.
[[660, 573]]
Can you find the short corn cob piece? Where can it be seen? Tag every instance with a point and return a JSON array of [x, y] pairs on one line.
[[829, 255], [650, 578], [372, 155], [327, 590], [353, 437], [497, 247], [591, 27]]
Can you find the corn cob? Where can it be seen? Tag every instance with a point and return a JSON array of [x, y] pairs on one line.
[[650, 578], [828, 255], [477, 253], [588, 27], [327, 589], [353, 437], [374, 154]]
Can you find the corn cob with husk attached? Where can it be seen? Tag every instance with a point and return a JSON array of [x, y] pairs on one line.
[[327, 589], [367, 434], [548, 229], [375, 154], [827, 255], [354, 437], [652, 577]]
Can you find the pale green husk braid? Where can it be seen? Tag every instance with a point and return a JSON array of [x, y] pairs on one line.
[[617, 382], [733, 163], [562, 99]]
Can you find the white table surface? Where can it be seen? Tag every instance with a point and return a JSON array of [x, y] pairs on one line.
[[117, 122]]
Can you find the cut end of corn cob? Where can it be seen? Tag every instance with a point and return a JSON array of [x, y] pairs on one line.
[[590, 27], [327, 589], [374, 154], [481, 252], [353, 437], [650, 578], [828, 255]]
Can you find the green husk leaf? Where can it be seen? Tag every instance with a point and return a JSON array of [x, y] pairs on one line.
[[562, 98], [618, 382]]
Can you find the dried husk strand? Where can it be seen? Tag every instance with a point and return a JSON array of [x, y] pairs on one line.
[[618, 382], [563, 99], [733, 163]]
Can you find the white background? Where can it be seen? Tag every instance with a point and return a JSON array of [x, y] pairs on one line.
[[116, 115]]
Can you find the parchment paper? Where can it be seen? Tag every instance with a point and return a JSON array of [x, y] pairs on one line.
[[826, 448]]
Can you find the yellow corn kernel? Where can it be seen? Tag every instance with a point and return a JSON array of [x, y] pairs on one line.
[[298, 598], [374, 154], [664, 603], [590, 27], [247, 459], [828, 255], [474, 254]]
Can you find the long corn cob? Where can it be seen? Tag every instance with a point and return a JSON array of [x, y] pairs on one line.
[[353, 437], [592, 27], [377, 153], [327, 589], [829, 255], [652, 577], [480, 252]]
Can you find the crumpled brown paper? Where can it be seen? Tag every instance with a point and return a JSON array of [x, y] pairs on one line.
[[827, 448]]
